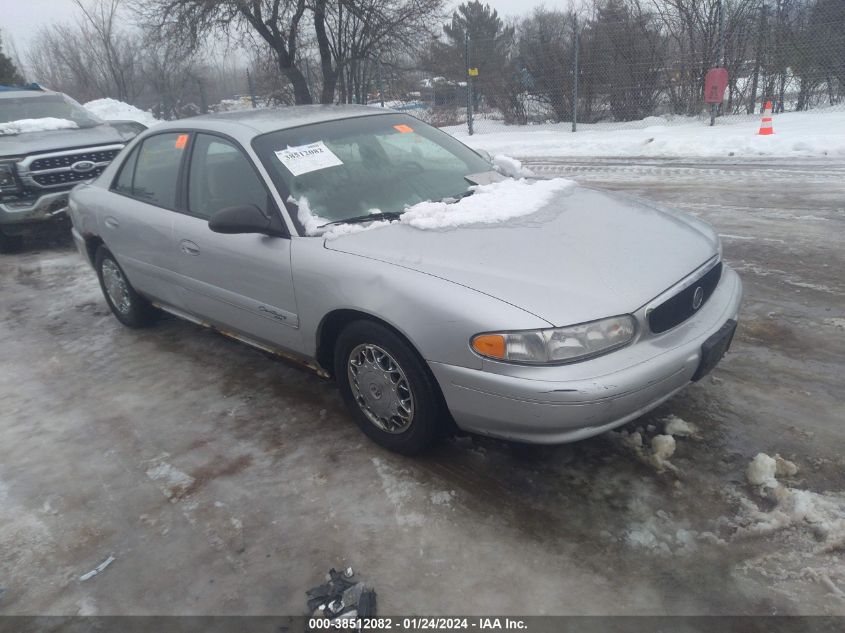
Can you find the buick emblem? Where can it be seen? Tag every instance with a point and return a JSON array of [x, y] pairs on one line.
[[83, 166], [697, 298]]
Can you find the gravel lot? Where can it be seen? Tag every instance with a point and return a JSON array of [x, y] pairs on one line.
[[224, 481]]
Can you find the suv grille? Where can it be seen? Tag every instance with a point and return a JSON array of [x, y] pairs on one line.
[[54, 162], [679, 308], [63, 177], [55, 170]]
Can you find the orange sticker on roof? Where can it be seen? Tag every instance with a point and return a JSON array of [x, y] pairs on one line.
[[181, 141], [403, 128]]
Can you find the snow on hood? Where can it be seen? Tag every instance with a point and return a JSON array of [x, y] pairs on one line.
[[114, 110], [581, 255], [46, 124], [489, 204], [510, 167]]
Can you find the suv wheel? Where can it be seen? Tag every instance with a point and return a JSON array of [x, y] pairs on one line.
[[128, 306], [10, 243], [386, 386]]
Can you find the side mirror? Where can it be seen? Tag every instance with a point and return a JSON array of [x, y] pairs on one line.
[[128, 129], [244, 219]]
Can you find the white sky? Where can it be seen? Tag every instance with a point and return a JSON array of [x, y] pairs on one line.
[[19, 19]]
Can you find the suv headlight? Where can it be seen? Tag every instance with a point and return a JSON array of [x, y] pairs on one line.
[[557, 345], [8, 181]]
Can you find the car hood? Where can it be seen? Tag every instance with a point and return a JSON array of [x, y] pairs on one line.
[[585, 255], [56, 140]]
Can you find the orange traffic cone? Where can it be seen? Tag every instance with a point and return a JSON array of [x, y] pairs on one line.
[[766, 123]]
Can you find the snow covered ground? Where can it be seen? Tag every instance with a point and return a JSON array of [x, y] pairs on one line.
[[814, 133], [254, 476], [114, 110]]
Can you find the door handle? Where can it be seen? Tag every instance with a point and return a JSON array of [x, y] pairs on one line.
[[189, 248], [111, 222]]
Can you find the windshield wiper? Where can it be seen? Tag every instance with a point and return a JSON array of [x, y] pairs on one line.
[[458, 196], [387, 215]]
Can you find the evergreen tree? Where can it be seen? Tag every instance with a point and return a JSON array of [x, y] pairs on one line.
[[9, 74]]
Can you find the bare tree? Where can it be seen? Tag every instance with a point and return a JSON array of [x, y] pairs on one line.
[[92, 57]]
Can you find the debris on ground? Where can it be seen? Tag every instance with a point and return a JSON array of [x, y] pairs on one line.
[[97, 570], [342, 597]]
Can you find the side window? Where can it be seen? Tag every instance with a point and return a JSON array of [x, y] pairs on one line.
[[157, 169], [123, 184], [222, 176]]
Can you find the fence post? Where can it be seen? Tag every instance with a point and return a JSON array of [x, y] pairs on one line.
[[380, 90], [251, 88], [576, 46], [469, 83], [720, 54]]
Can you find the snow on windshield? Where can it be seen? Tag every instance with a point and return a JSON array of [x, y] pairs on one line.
[[23, 126], [489, 204]]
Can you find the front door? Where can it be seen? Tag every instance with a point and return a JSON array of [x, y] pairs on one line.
[[241, 283]]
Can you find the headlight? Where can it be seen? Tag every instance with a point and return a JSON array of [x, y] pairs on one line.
[[557, 345], [8, 182]]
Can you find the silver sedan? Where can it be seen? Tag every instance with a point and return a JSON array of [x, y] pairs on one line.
[[284, 229]]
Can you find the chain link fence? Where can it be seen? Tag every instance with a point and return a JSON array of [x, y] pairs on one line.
[[622, 74]]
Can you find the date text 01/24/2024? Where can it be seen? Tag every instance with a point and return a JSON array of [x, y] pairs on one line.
[[417, 624]]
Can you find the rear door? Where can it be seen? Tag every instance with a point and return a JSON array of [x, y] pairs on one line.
[[137, 226], [242, 283]]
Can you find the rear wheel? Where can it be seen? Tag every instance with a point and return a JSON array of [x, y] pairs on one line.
[[386, 386], [128, 306]]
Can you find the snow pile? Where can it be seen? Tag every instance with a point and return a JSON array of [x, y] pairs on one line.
[[673, 425], [763, 470], [661, 533], [114, 110], [819, 132], [24, 126], [823, 514], [655, 455], [489, 204], [510, 167]]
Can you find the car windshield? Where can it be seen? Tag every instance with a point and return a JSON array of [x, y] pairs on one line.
[[353, 167], [45, 106]]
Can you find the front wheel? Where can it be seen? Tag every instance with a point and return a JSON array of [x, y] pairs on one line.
[[386, 386], [126, 304]]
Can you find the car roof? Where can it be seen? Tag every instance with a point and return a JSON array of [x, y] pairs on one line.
[[251, 123]]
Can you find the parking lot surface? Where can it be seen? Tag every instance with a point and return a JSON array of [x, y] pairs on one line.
[[224, 481]]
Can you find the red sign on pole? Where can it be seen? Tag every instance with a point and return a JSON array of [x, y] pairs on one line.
[[715, 84]]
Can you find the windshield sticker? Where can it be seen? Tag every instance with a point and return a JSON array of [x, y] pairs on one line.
[[403, 128], [181, 141], [307, 158]]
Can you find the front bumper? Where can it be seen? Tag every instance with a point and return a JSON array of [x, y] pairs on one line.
[[48, 207], [550, 405]]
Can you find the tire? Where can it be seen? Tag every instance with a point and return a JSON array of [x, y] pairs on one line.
[[128, 306], [10, 243], [389, 374]]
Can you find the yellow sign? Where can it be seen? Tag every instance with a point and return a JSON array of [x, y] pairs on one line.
[[473, 72]]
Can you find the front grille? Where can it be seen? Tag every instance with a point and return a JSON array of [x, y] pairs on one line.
[[63, 177], [679, 308], [55, 170], [55, 162]]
